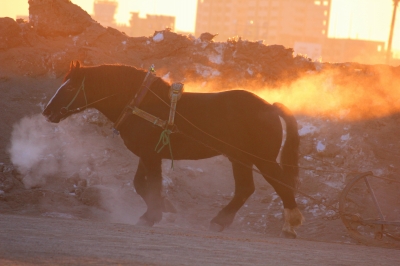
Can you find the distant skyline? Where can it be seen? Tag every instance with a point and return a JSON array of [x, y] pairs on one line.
[[356, 19]]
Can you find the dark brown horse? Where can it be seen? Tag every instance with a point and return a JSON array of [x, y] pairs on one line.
[[235, 123]]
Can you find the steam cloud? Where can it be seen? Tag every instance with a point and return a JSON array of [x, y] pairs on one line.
[[42, 151]]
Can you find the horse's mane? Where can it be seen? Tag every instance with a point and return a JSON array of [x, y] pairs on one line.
[[118, 77]]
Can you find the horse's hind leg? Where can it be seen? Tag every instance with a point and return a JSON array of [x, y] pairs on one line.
[[273, 173], [244, 187]]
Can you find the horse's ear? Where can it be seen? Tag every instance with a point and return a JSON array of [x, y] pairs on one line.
[[76, 65]]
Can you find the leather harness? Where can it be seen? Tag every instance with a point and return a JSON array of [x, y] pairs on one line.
[[175, 93]]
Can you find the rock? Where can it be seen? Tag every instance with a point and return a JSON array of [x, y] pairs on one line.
[[207, 37], [6, 181], [51, 18], [90, 196], [10, 34]]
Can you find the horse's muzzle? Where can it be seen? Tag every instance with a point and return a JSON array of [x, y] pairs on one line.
[[51, 116]]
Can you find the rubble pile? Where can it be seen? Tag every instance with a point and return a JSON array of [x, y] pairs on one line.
[[59, 31]]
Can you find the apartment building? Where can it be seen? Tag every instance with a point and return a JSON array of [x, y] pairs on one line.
[[275, 21], [104, 13], [147, 25]]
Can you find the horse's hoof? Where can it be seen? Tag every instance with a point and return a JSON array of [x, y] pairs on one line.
[[144, 222], [216, 227], [291, 235]]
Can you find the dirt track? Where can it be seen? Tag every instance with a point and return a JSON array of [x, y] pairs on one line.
[[27, 241]]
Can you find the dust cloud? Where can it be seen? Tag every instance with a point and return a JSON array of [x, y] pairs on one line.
[[332, 94]]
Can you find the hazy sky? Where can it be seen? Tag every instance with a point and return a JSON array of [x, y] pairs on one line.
[[362, 19]]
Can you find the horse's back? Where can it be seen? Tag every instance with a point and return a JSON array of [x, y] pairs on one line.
[[237, 117]]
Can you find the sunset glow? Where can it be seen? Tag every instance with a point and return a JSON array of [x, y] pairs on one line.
[[356, 19]]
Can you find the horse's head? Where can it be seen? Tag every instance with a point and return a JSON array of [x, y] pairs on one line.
[[69, 98]]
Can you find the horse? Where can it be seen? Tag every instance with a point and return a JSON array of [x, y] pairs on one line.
[[235, 123]]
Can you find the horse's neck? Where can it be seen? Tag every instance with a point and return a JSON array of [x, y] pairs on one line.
[[113, 97]]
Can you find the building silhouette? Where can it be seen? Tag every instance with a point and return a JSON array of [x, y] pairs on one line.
[[146, 26], [276, 21], [300, 24], [353, 50], [104, 13]]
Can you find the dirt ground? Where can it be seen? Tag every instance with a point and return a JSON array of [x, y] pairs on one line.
[[54, 241], [77, 175]]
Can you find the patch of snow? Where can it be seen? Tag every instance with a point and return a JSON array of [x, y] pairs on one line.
[[320, 146], [206, 71], [315, 210], [166, 181], [378, 172], [158, 37], [307, 129], [330, 213], [304, 201], [216, 57], [308, 158], [345, 137], [58, 215], [274, 197]]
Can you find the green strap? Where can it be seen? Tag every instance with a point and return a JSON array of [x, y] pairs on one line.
[[165, 140], [82, 87]]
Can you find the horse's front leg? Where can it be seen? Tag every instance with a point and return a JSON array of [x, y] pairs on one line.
[[148, 184], [140, 184]]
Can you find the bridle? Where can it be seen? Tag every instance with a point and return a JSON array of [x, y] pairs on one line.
[[64, 110]]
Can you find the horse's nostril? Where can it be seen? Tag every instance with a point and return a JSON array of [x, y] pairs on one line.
[[63, 110]]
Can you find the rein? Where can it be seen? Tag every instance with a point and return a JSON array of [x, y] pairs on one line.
[[65, 110]]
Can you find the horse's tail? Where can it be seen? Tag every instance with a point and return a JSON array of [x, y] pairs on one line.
[[290, 150]]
